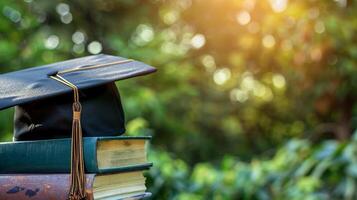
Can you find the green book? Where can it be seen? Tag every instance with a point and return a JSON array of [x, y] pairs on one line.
[[101, 155]]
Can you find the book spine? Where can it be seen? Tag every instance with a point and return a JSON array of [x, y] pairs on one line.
[[45, 156], [90, 155], [39, 187]]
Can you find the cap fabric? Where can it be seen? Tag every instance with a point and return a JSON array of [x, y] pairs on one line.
[[44, 106], [102, 115], [35, 83]]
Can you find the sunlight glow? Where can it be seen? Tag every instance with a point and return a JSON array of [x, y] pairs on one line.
[[198, 41], [64, 11], [278, 81], [221, 76], [262, 91], [209, 63], [239, 95], [279, 5], [95, 47], [243, 18], [62, 8], [170, 16], [52, 42], [67, 18], [248, 83], [144, 34], [342, 3], [78, 37], [268, 41]]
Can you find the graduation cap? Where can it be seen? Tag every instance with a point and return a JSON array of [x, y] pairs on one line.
[[73, 98]]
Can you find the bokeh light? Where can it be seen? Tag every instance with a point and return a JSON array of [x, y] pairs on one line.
[[279, 5], [52, 42], [198, 41], [95, 47], [243, 18], [246, 91], [221, 76], [268, 41]]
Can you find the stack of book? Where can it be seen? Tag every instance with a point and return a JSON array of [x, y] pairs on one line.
[[67, 122], [40, 169]]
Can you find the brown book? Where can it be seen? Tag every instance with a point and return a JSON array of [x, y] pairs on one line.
[[128, 185]]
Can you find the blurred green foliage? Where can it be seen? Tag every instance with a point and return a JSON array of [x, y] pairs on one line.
[[252, 100], [299, 170]]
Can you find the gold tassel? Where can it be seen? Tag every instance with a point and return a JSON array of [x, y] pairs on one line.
[[78, 180], [77, 189]]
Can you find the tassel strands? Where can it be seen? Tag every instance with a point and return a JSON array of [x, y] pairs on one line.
[[78, 181], [77, 189]]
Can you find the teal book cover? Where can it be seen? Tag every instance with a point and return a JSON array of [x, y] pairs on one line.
[[53, 156]]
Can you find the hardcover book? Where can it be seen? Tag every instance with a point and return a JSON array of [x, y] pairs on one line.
[[127, 185], [101, 155]]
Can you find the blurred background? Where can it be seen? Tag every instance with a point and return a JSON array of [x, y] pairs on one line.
[[252, 99]]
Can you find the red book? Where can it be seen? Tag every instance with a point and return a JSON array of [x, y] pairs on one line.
[[129, 185]]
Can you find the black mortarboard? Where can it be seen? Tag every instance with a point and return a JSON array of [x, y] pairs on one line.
[[44, 106]]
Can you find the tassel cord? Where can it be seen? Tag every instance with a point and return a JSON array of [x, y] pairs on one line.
[[77, 176]]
